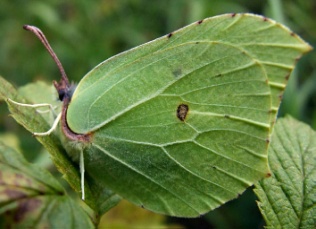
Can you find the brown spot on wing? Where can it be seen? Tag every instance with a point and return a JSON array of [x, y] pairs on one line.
[[182, 111]]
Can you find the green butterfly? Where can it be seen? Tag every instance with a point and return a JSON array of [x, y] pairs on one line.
[[181, 125]]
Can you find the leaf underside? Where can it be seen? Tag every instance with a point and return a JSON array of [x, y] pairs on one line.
[[287, 199], [230, 72]]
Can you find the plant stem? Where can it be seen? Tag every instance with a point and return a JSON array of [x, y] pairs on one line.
[[277, 11]]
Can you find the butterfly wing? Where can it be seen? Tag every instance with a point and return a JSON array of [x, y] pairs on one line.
[[181, 124]]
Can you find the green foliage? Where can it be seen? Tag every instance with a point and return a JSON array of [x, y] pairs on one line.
[[33, 198], [34, 122], [287, 199]]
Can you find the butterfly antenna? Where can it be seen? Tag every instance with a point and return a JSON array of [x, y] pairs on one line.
[[63, 86]]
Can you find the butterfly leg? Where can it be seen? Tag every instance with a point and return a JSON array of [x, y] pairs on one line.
[[51, 129], [51, 107], [57, 119], [82, 174]]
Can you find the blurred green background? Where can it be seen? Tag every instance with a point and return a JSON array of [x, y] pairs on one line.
[[84, 33]]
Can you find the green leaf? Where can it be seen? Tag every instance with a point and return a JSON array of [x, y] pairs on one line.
[[181, 125], [102, 198], [287, 199], [31, 198], [34, 122]]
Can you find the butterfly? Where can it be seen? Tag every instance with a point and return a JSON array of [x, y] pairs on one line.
[[181, 124]]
